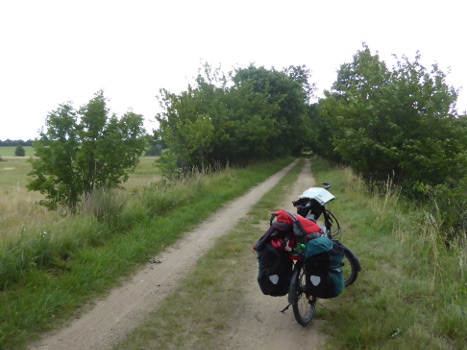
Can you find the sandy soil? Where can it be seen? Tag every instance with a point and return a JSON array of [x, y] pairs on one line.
[[258, 325]]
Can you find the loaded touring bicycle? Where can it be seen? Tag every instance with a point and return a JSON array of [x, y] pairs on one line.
[[307, 261]]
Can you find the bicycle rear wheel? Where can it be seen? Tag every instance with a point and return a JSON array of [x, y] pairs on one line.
[[303, 307]]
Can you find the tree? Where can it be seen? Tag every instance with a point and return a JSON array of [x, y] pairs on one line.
[[259, 114], [19, 151], [211, 124], [185, 128], [286, 93], [398, 122], [84, 150]]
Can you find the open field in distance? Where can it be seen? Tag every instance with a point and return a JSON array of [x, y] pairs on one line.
[[19, 207], [9, 151]]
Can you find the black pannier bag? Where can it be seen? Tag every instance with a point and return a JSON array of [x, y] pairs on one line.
[[275, 265], [274, 271], [323, 268]]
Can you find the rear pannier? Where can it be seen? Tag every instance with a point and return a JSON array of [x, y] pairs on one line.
[[274, 271], [274, 250]]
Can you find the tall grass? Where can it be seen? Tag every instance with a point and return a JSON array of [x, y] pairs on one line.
[[18, 207], [412, 291], [47, 272]]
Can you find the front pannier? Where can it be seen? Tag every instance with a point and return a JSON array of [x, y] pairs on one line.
[[323, 268]]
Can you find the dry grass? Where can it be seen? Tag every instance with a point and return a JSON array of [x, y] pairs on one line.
[[19, 207], [145, 174]]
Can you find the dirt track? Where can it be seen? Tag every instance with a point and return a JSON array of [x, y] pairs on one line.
[[261, 326]]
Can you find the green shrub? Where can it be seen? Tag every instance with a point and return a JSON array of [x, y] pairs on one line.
[[450, 203], [19, 151]]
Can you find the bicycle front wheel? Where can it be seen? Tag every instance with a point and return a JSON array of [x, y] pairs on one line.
[[303, 306], [351, 267]]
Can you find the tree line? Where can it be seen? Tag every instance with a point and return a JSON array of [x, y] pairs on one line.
[[397, 124], [11, 143], [253, 113]]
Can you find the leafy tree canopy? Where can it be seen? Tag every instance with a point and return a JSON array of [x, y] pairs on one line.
[[258, 113], [84, 150], [398, 122]]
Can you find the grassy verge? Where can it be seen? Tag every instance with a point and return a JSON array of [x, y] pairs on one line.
[[412, 291], [48, 273], [197, 312]]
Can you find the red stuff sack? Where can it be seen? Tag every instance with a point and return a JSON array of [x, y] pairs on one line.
[[310, 228]]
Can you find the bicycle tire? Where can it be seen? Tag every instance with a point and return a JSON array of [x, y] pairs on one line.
[[303, 307], [351, 267]]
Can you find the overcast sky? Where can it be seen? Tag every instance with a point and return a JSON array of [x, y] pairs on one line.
[[53, 51]]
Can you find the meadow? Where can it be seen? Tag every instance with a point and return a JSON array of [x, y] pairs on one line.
[[9, 151], [19, 207]]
